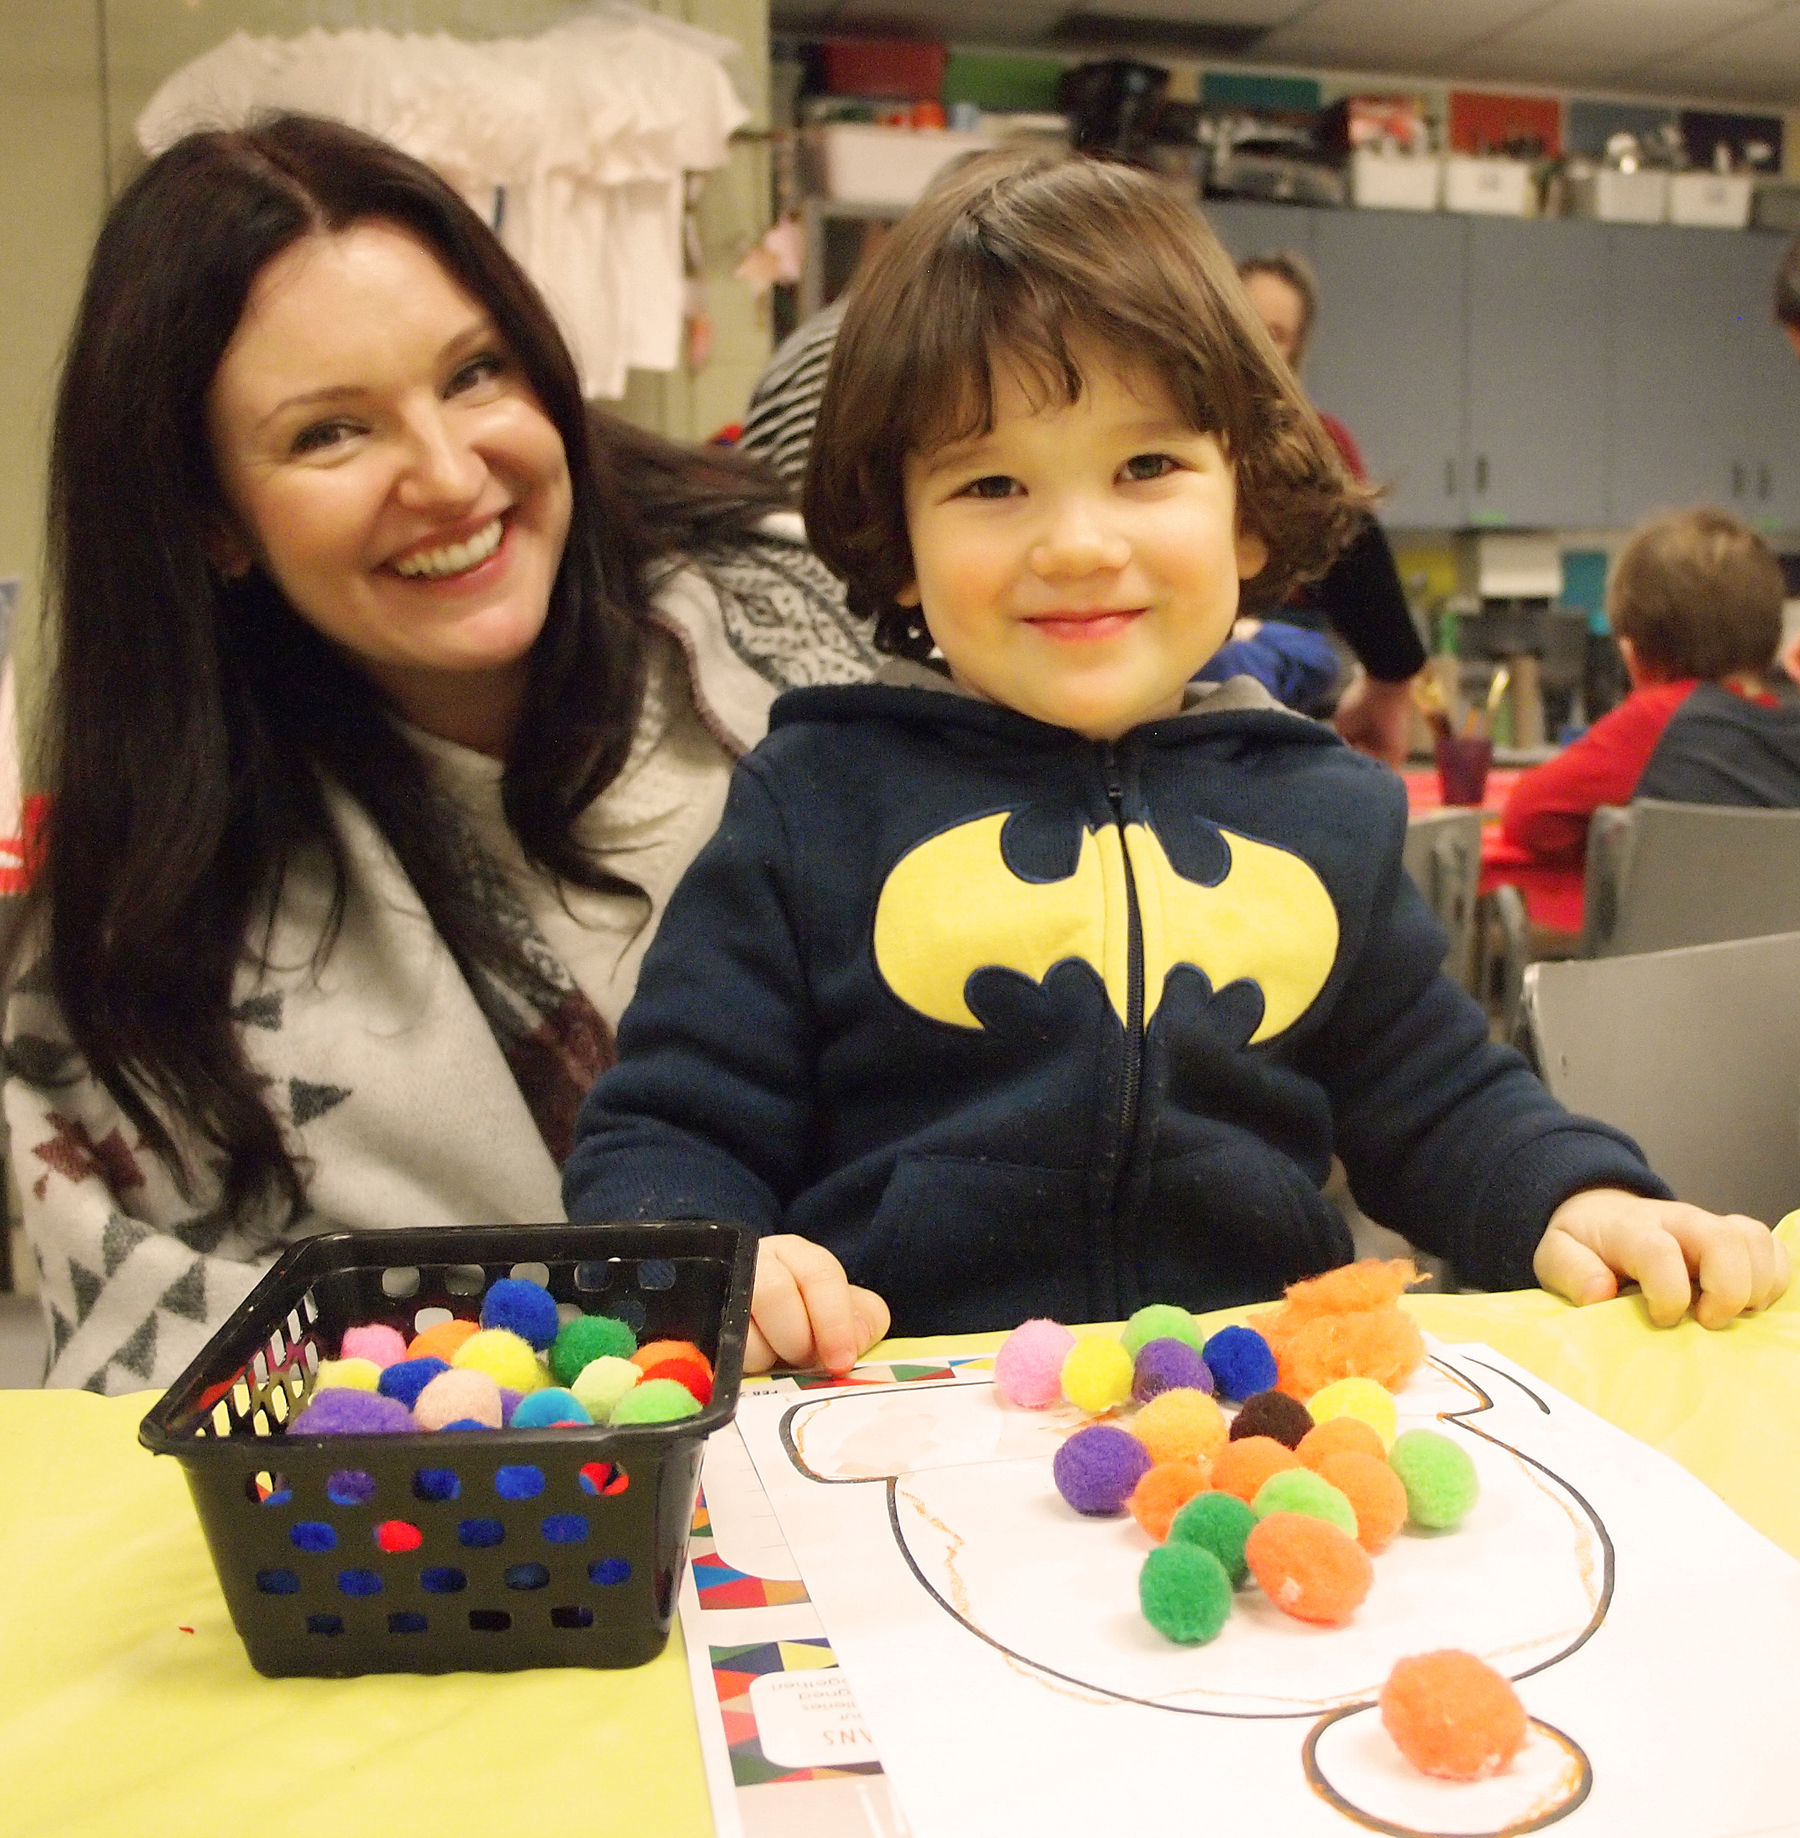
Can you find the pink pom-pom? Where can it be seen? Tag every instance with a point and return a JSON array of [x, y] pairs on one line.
[[460, 1395], [380, 1346], [1028, 1367]]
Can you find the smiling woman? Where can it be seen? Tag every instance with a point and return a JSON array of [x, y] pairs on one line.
[[395, 689]]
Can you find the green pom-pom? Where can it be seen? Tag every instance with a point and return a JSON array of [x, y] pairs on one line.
[[1438, 1476], [1299, 1490], [656, 1401], [1219, 1523], [588, 1337], [1160, 1321], [1184, 1592]]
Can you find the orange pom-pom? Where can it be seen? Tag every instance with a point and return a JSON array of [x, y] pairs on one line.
[[442, 1341], [1339, 1436], [1375, 1492], [1351, 1288], [695, 1374], [1308, 1568], [1164, 1490], [1181, 1424], [653, 1352], [1314, 1351], [1452, 1715], [1241, 1467]]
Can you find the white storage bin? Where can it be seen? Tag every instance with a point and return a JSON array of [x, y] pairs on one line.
[[1622, 197], [858, 163], [1493, 187], [1714, 200], [1394, 181]]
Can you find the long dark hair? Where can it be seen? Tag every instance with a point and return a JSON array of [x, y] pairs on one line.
[[191, 719]]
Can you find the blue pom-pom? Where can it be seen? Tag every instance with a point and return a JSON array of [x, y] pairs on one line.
[[542, 1410], [406, 1378], [1242, 1362], [528, 1309]]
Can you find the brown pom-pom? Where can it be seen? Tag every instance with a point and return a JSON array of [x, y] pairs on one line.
[[1272, 1413]]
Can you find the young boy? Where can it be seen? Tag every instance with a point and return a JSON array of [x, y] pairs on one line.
[[1042, 982], [1695, 602]]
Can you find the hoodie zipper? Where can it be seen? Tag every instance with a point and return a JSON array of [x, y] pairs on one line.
[[1132, 1071]]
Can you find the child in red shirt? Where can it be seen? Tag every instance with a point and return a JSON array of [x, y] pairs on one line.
[[1695, 602]]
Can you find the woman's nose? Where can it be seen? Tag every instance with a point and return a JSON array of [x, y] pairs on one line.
[[1078, 538], [442, 468]]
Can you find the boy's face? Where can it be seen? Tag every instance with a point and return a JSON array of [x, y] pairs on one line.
[[1081, 561]]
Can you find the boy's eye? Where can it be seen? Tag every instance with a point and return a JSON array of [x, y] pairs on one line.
[[995, 485], [1147, 466]]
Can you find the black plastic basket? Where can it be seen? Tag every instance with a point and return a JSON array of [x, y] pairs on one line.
[[479, 1551]]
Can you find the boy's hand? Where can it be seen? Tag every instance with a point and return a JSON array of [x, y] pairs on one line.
[[805, 1312], [1375, 718], [1595, 1238]]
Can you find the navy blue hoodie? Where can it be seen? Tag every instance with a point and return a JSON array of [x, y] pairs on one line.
[[1017, 1023]]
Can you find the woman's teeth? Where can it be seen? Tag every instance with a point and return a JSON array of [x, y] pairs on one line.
[[453, 558]]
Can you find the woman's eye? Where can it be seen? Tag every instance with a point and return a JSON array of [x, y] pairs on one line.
[[1148, 466], [995, 485], [479, 370], [322, 435]]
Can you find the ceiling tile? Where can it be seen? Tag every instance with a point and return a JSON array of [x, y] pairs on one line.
[[1383, 34]]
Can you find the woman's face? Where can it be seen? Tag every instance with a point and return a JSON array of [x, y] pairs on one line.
[[1281, 310], [384, 460]]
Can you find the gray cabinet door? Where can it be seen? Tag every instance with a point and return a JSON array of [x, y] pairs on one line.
[[1771, 423], [1387, 356], [1538, 305], [1260, 229]]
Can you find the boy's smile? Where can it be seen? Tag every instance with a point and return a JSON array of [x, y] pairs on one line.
[[1080, 561]]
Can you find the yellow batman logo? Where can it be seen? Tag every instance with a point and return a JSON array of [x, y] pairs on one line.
[[952, 907]]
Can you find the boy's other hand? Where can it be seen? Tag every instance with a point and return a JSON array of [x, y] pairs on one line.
[[1374, 716], [804, 1311], [1598, 1237]]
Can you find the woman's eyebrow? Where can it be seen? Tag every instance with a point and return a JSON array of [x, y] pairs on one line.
[[477, 332]]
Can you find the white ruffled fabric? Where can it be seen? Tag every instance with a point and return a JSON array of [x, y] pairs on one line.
[[576, 141]]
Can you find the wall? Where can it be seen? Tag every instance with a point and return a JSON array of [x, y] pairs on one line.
[[78, 72]]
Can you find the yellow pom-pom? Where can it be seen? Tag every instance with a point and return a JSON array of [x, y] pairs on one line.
[[347, 1375], [1181, 1424], [602, 1382], [1361, 1398], [507, 1358], [1096, 1374]]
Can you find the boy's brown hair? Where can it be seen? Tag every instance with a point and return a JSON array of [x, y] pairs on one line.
[[1699, 594], [1021, 259]]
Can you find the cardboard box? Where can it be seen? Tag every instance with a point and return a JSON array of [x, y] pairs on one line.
[[1395, 181], [1490, 187], [1712, 200]]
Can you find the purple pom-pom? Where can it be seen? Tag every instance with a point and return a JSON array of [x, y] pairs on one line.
[[341, 1411], [527, 1309], [404, 1380], [1168, 1365], [1097, 1468], [1242, 1362], [509, 1402]]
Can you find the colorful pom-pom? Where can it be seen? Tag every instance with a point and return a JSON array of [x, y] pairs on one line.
[[655, 1400], [1184, 1592], [654, 1352], [1168, 1365], [526, 1309], [1299, 1490], [1273, 1413], [441, 1342], [1346, 1324], [385, 1346], [1159, 1321], [461, 1395], [1243, 1466], [406, 1378], [586, 1339], [1096, 1374], [507, 1358], [1219, 1523], [1452, 1715], [1241, 1362], [602, 1382], [1181, 1425], [1373, 1489], [545, 1409], [1438, 1476], [1358, 1397], [1338, 1436], [695, 1374], [345, 1412], [1098, 1467], [1308, 1569], [1028, 1367], [347, 1375], [1162, 1492]]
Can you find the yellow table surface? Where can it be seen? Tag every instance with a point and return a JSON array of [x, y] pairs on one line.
[[116, 1719]]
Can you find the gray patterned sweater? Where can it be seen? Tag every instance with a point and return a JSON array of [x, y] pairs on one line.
[[386, 1066]]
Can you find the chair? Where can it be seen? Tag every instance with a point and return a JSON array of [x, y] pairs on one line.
[[1442, 853], [1693, 1052]]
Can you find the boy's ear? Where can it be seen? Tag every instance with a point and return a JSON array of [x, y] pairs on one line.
[[1252, 555]]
